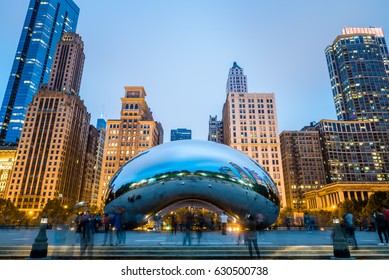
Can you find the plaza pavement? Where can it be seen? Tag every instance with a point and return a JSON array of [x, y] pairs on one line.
[[26, 237]]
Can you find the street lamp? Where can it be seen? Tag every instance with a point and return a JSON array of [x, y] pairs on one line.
[[39, 247], [341, 250]]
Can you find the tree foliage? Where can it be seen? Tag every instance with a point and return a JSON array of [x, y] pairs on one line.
[[10, 214], [376, 200], [56, 212], [352, 206]]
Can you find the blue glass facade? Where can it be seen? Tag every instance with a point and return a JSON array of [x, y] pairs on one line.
[[44, 25], [180, 134], [101, 123], [358, 68]]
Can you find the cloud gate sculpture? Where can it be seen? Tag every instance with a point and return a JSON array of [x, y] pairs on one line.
[[192, 172]]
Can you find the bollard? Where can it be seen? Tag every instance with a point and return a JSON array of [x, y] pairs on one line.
[[39, 247], [341, 250]]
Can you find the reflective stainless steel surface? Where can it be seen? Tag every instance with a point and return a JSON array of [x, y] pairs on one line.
[[213, 175]]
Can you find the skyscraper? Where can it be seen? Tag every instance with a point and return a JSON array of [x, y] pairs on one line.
[[45, 23], [52, 147], [89, 191], [250, 126], [68, 64], [354, 151], [133, 133], [180, 134], [236, 81], [302, 164], [358, 65], [215, 130]]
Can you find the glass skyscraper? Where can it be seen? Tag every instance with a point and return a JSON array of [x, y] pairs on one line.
[[45, 23], [358, 65], [180, 134]]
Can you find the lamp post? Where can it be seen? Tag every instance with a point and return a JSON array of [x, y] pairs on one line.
[[39, 247], [341, 250]]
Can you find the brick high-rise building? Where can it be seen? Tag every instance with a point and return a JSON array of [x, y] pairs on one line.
[[134, 132], [302, 164], [51, 151]]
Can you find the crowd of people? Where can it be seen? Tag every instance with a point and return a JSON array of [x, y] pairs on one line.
[[192, 225]]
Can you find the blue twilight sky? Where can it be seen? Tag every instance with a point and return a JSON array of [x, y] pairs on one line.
[[181, 51]]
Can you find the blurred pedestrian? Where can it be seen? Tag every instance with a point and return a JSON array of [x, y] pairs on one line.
[[106, 227], [224, 218], [199, 229], [307, 222], [348, 220], [386, 215], [381, 225], [188, 229], [87, 234], [251, 236], [173, 222]]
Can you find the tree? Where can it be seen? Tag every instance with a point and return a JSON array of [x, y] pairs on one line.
[[324, 218], [9, 214], [286, 212], [56, 212], [376, 200], [354, 207]]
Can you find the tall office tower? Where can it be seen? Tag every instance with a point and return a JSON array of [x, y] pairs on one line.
[[45, 23], [302, 164], [215, 131], [101, 127], [89, 186], [358, 66], [7, 161], [250, 125], [180, 134], [101, 123], [236, 81], [354, 151], [135, 132], [51, 151], [70, 52]]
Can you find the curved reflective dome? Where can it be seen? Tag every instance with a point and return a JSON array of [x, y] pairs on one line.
[[213, 175]]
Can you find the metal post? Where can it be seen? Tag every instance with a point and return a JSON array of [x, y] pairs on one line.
[[39, 247], [341, 250]]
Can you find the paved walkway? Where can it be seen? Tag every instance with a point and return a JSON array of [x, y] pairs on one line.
[[140, 238]]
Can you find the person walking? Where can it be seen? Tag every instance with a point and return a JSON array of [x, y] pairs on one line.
[[307, 222], [224, 218], [118, 227], [381, 225], [348, 219], [188, 229], [106, 227], [251, 236], [173, 223], [200, 225], [386, 215]]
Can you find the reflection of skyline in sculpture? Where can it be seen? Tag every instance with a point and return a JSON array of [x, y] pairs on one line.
[[188, 170]]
